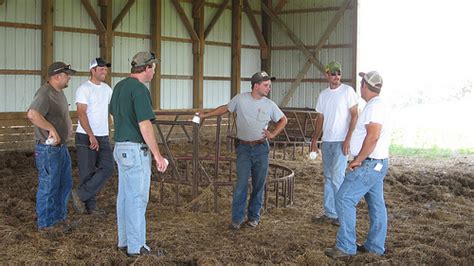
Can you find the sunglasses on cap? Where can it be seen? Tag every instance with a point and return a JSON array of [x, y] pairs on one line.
[[335, 73], [63, 68], [153, 57]]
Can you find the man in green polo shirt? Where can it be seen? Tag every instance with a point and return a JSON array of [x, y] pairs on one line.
[[134, 138]]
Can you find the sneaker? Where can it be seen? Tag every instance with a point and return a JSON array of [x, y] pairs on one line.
[[251, 223], [145, 251], [77, 203], [336, 253], [234, 226], [97, 212], [123, 250], [324, 219]]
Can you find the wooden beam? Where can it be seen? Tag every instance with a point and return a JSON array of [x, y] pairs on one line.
[[156, 48], [198, 57], [122, 14], [216, 17], [1, 2], [256, 30], [330, 28], [279, 6], [19, 25], [47, 37], [95, 19], [297, 41], [197, 6], [236, 47], [185, 20], [106, 36], [267, 35]]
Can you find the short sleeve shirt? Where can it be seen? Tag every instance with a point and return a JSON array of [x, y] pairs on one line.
[[253, 115], [53, 106], [334, 104], [130, 105]]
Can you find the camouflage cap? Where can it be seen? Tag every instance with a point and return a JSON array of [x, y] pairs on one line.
[[60, 67], [144, 58], [261, 76], [333, 67]]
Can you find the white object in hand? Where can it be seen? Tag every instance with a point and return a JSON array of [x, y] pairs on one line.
[[166, 161], [49, 141], [313, 155], [196, 118]]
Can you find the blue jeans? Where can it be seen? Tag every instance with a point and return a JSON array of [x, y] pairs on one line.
[[367, 182], [95, 167], [134, 171], [54, 183], [252, 160], [334, 165]]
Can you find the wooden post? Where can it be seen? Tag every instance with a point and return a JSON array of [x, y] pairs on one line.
[[106, 37], [267, 35], [47, 33], [156, 48], [198, 55], [236, 46]]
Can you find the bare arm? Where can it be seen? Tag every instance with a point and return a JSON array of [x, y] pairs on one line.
[[216, 112], [146, 128], [84, 120], [368, 146], [354, 115], [38, 120], [318, 126], [278, 128]]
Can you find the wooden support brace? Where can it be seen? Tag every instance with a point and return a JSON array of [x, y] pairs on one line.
[[95, 19], [216, 17], [185, 20], [256, 30], [122, 14], [279, 6]]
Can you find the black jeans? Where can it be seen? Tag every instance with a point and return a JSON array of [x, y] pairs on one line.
[[95, 168]]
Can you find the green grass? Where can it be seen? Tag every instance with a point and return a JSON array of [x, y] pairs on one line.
[[433, 152]]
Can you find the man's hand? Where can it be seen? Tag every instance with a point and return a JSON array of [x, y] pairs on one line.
[[267, 134], [353, 165], [94, 143], [161, 164], [346, 146], [55, 136]]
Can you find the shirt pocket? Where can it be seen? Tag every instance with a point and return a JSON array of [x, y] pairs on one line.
[[263, 116]]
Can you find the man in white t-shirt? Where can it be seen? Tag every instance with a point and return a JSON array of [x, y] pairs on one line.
[[94, 153], [337, 108], [369, 146]]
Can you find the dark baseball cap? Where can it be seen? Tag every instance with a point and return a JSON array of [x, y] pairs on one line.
[[60, 67], [261, 76], [98, 62]]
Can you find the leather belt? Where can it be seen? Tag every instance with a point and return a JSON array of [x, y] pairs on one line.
[[253, 142]]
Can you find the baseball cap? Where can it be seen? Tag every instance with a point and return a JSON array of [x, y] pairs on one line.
[[333, 67], [373, 79], [98, 62], [60, 67], [144, 58], [261, 76]]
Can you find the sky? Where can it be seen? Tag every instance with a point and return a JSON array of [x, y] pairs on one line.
[[424, 50]]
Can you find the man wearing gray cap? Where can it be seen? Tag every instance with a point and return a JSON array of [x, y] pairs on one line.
[[49, 113], [134, 137], [94, 153], [254, 112], [369, 146]]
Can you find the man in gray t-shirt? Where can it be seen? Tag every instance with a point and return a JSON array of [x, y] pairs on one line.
[[254, 112], [49, 113]]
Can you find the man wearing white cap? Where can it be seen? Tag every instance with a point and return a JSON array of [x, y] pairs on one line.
[[369, 146], [94, 153]]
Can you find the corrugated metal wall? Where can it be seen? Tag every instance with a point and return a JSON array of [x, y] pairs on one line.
[[20, 49], [309, 26]]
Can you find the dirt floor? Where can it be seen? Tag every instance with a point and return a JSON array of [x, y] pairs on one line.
[[430, 209]]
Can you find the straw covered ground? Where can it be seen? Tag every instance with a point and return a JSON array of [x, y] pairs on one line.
[[430, 208]]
